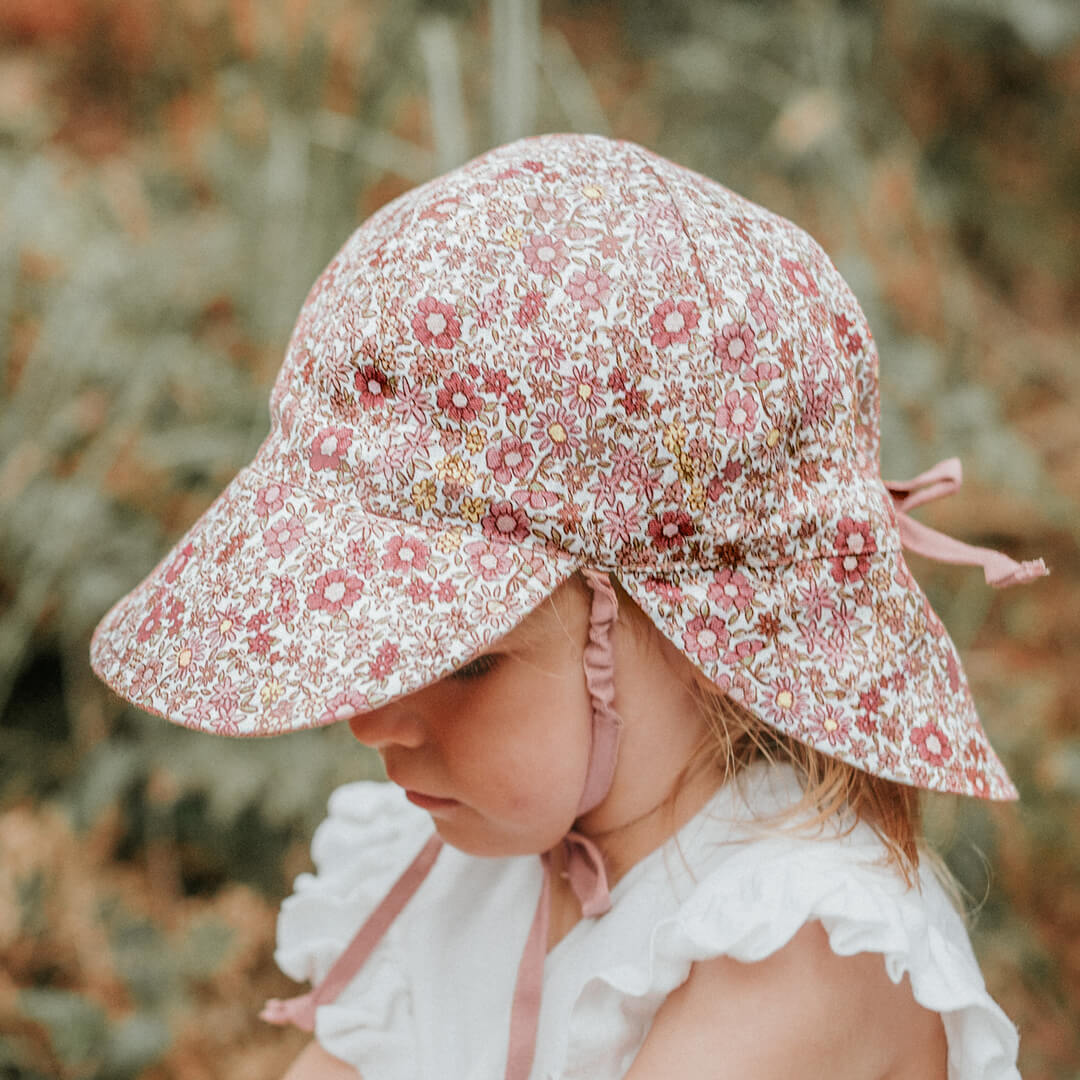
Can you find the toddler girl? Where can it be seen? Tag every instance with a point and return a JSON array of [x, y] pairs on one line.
[[571, 508]]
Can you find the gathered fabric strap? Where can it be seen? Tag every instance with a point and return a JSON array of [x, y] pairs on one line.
[[943, 479], [583, 861], [300, 1011]]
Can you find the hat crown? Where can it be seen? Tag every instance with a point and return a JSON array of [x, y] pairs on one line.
[[572, 341]]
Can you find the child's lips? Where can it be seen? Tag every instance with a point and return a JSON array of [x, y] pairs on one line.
[[431, 803]]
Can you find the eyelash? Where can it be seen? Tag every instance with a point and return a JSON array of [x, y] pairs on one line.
[[481, 665]]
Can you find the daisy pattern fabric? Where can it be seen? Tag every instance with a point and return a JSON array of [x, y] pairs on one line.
[[569, 352]]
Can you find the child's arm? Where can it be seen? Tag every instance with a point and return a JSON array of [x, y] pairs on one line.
[[314, 1063], [802, 1011]]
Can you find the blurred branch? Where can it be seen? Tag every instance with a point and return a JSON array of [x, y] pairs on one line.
[[379, 148], [570, 85], [515, 36], [448, 117]]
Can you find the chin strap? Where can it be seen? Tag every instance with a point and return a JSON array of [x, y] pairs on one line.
[[943, 479], [583, 860]]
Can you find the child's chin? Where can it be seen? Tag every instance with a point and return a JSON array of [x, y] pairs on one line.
[[473, 841]]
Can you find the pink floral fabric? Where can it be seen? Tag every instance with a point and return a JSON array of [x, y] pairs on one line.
[[569, 352]]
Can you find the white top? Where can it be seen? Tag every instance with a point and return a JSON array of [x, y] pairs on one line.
[[434, 999]]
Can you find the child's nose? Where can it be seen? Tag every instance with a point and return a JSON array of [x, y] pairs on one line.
[[396, 724]]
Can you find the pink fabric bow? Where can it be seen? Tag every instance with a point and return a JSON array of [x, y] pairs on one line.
[[943, 479]]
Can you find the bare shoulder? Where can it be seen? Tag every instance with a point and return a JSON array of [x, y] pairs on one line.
[[314, 1063], [803, 1007]]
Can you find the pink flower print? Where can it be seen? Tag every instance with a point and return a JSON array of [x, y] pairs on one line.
[[582, 391], [149, 626], [458, 398], [546, 353], [328, 448], [343, 707], [510, 457], [622, 523], [334, 590], [441, 209], [609, 246], [505, 522], [283, 537], [931, 744], [799, 277], [270, 498], [705, 638], [495, 381], [734, 346], [760, 305], [670, 529], [743, 652], [405, 553], [419, 591], [446, 592], [672, 322], [738, 414], [373, 386], [977, 781], [546, 207], [436, 323], [224, 627], [766, 370], [831, 726], [786, 697], [530, 308], [952, 670], [491, 307], [545, 255], [557, 431], [145, 676], [730, 589], [854, 546], [176, 567], [535, 497], [489, 559], [384, 661], [668, 591], [590, 289]]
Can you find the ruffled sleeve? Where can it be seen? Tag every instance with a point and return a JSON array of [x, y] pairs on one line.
[[369, 837], [750, 905]]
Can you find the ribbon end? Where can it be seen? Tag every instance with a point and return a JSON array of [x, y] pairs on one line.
[[298, 1011], [1018, 574]]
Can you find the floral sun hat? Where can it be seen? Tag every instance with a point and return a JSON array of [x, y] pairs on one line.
[[568, 353]]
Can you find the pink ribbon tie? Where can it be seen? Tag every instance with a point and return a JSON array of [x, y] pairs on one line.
[[943, 479]]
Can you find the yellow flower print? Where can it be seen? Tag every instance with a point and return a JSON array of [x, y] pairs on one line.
[[423, 493], [474, 440], [453, 468], [675, 435], [592, 192], [450, 541], [473, 508], [270, 691], [184, 658], [684, 465], [697, 496], [513, 236]]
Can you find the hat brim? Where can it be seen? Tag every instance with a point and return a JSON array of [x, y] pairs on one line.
[[280, 611], [855, 664]]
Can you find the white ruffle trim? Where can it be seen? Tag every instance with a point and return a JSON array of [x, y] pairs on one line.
[[755, 902], [370, 836]]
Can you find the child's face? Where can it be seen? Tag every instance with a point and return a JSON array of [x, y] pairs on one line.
[[497, 753]]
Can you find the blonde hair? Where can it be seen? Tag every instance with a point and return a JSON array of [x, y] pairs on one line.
[[736, 738]]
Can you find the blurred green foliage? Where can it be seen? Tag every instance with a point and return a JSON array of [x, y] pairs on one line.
[[172, 178]]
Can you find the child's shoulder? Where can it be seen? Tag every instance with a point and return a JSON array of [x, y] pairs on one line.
[[802, 1008]]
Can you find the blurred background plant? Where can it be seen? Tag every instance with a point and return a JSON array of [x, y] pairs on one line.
[[173, 175]]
